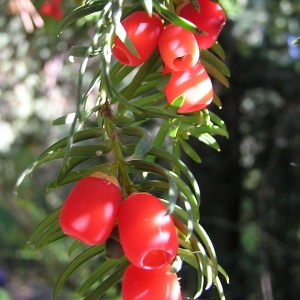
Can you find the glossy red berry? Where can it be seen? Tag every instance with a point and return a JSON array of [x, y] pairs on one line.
[[194, 84], [144, 284], [211, 19], [178, 48], [143, 31], [90, 210], [148, 236]]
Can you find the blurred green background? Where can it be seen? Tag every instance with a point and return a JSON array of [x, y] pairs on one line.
[[250, 190]]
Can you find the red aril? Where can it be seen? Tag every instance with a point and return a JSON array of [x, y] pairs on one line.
[[90, 210], [144, 284], [143, 31], [178, 48], [194, 85], [211, 19], [53, 9], [148, 236]]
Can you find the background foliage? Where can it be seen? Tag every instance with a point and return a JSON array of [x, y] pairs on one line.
[[250, 189]]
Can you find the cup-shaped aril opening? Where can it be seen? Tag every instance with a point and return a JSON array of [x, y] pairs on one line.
[[184, 62], [148, 236], [178, 48], [155, 259], [143, 32], [121, 55], [124, 56]]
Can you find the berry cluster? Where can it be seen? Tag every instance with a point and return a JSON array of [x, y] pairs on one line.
[[189, 88], [147, 234], [95, 211], [52, 9]]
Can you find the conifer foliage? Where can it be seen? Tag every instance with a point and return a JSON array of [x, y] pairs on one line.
[[139, 207]]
